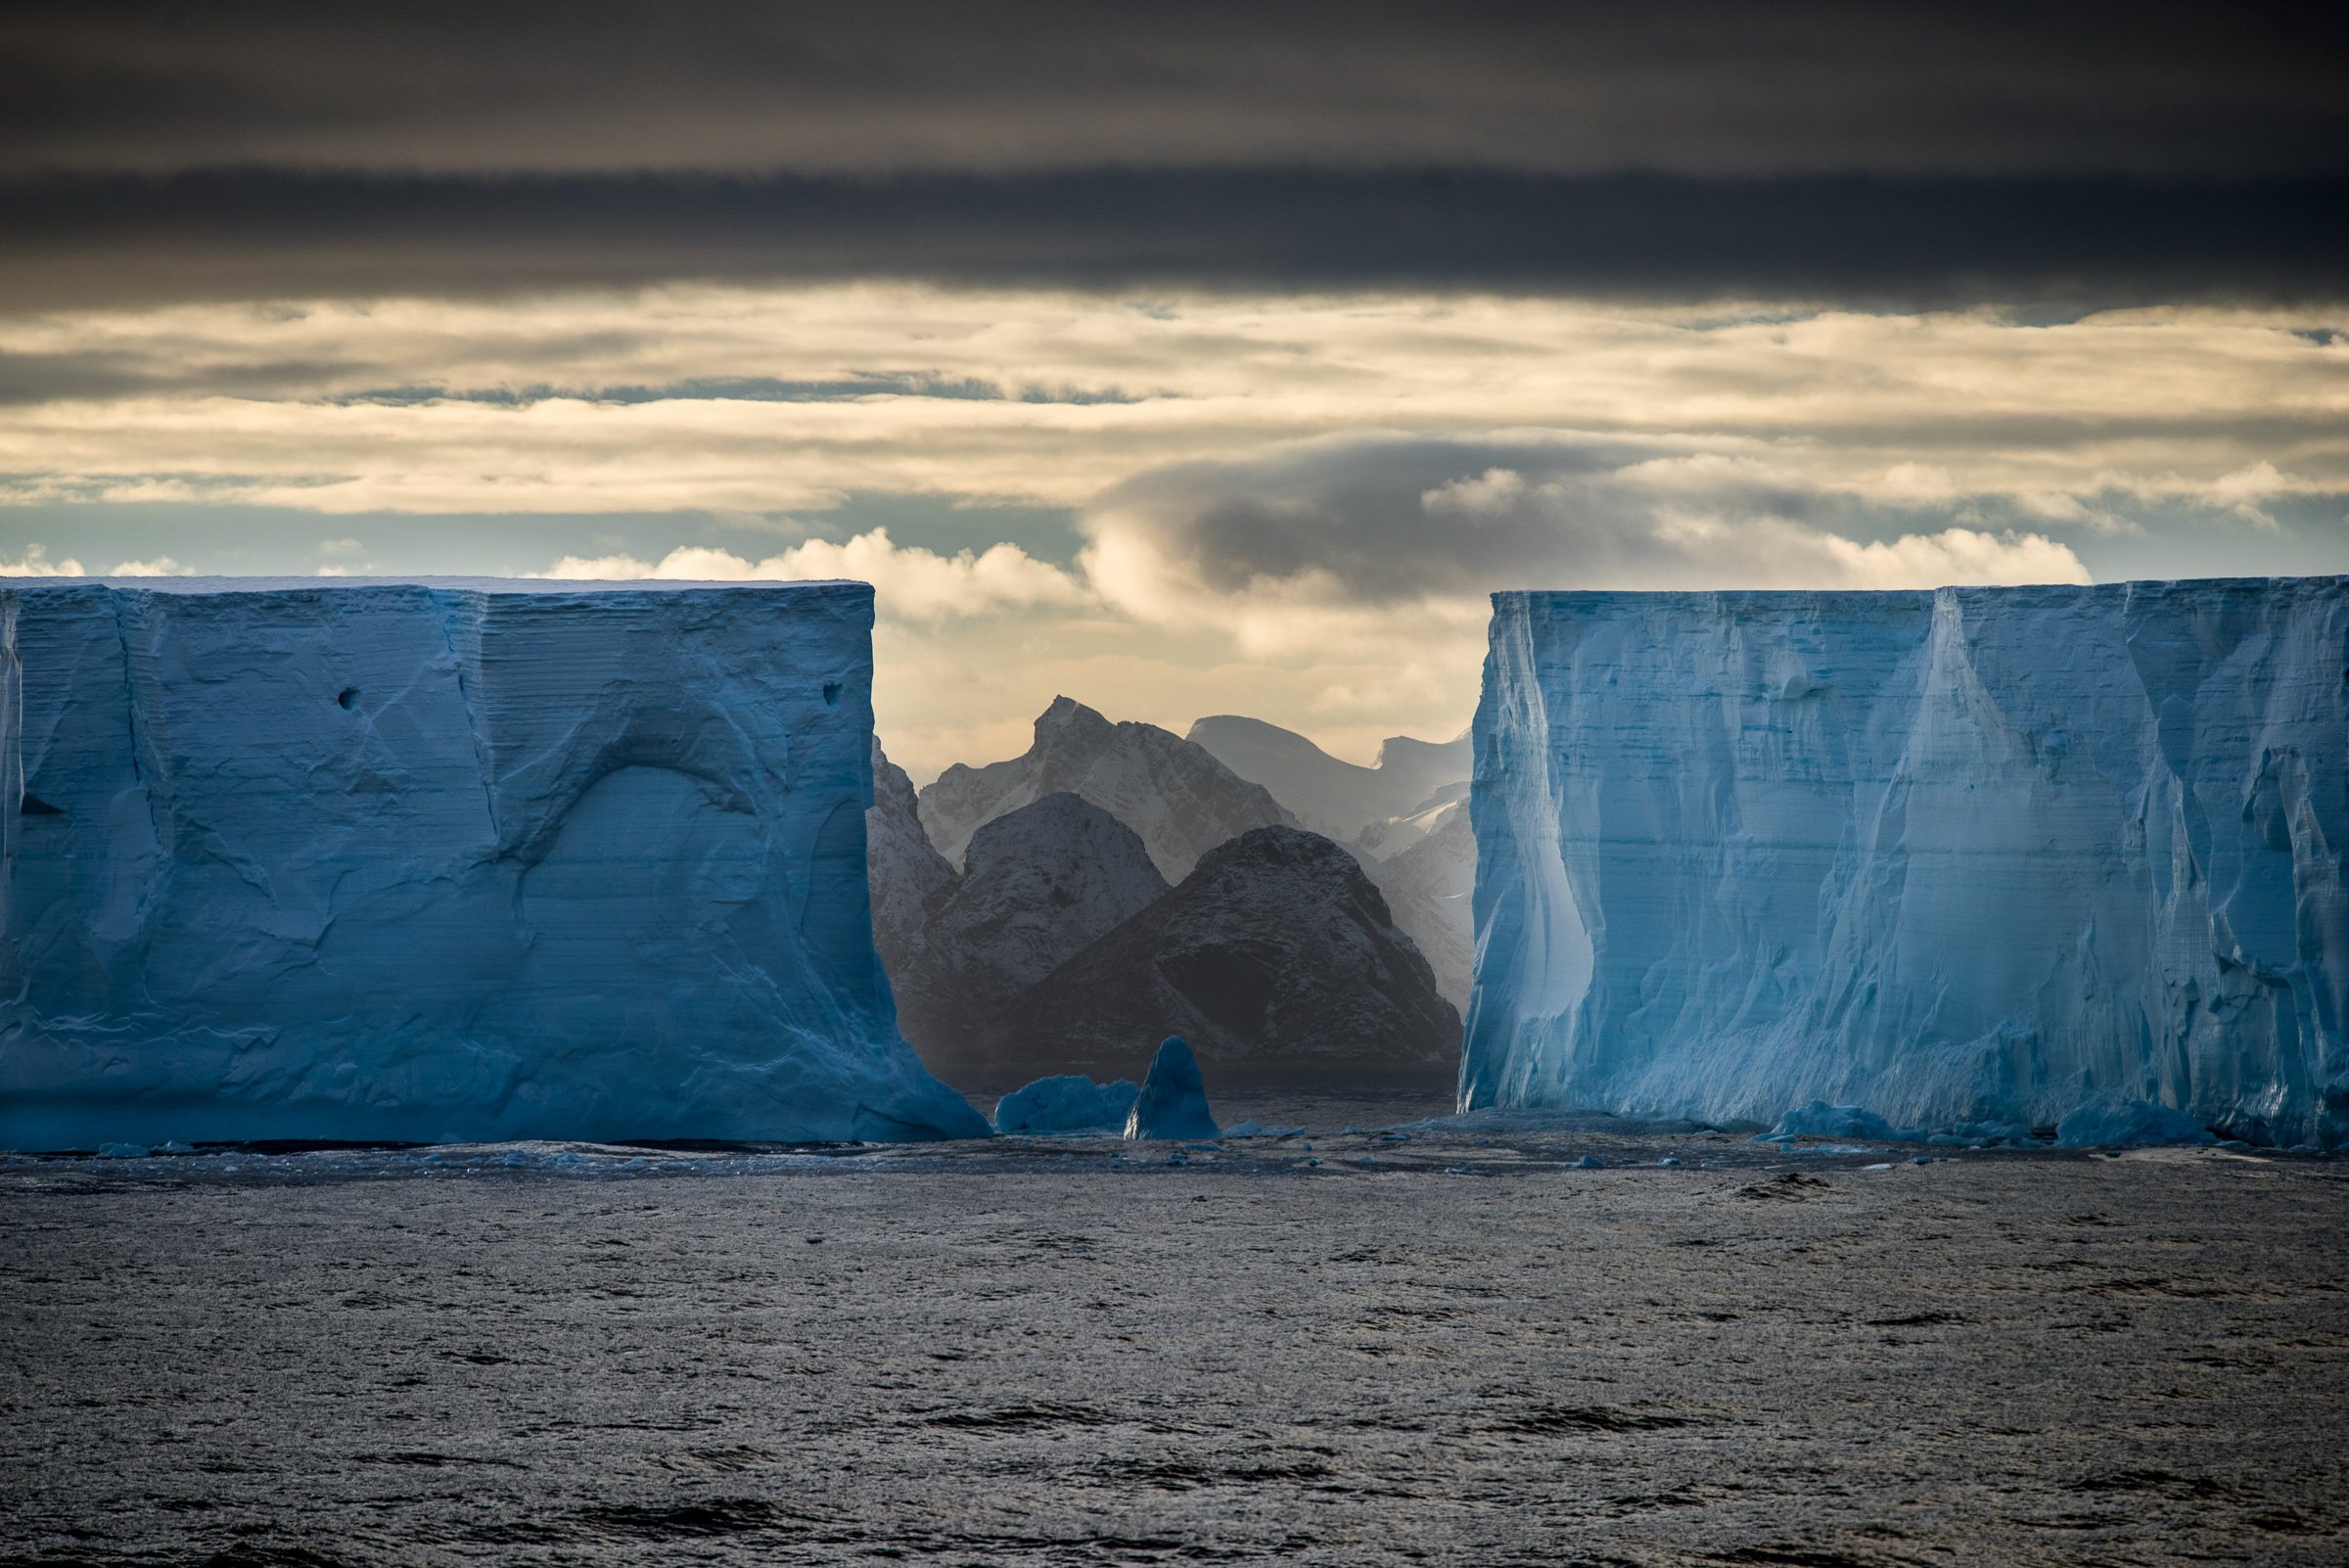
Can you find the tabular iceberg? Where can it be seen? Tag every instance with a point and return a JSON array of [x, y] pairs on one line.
[[440, 859], [1970, 855]]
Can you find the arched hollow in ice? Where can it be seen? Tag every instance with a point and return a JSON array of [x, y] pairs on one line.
[[443, 860]]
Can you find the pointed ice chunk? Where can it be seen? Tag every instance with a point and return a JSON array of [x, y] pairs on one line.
[[1173, 1103]]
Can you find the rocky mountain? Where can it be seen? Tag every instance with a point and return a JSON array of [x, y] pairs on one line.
[[1390, 836], [1276, 958], [1429, 886], [902, 869], [1333, 797], [1180, 800], [1038, 886]]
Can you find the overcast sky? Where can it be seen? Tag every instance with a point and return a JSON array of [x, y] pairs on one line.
[[1202, 359]]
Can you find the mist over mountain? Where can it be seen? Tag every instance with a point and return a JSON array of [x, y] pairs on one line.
[[1336, 798]]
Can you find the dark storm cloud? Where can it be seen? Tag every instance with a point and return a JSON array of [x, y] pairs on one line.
[[2087, 154], [1717, 88], [2074, 242]]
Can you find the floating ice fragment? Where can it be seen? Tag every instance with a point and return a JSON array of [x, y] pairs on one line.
[[1172, 1102], [122, 1151], [176, 1148], [1247, 1129], [1589, 1161], [1066, 1103], [1668, 1160], [1920, 1159]]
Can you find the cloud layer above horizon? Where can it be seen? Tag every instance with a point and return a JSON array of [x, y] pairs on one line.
[[1290, 505], [1183, 359]]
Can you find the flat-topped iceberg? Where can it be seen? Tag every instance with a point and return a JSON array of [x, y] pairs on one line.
[[443, 860], [1958, 857]]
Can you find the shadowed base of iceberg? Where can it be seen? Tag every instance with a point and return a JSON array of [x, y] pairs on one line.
[[240, 1092], [2107, 1121]]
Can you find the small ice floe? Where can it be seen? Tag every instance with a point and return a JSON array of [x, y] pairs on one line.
[[1835, 1148], [1370, 1159], [1886, 1165], [1067, 1103], [1397, 1136], [176, 1148], [122, 1151], [1250, 1129], [1920, 1159], [1456, 1170], [1589, 1161], [1668, 1160]]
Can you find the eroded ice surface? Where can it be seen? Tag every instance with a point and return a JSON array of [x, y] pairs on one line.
[[443, 860], [1967, 856]]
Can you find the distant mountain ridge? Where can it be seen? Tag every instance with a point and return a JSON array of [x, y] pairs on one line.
[[1180, 800], [1043, 883], [1277, 959], [1336, 798], [1050, 878]]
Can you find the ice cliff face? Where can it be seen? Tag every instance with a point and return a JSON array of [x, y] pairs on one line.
[[442, 860], [1974, 854], [1179, 798], [903, 870]]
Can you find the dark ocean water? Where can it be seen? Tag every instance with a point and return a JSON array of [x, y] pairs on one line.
[[1467, 1352]]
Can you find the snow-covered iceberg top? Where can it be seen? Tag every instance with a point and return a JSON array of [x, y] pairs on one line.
[[442, 859], [1959, 856]]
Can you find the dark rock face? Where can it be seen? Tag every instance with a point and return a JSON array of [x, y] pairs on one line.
[[1173, 1103], [1430, 887], [1040, 885], [1175, 795], [902, 869], [1276, 958]]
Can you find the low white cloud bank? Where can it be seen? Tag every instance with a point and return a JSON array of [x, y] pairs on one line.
[[1401, 536], [910, 582]]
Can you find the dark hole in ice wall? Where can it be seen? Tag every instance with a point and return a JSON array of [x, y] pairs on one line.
[[831, 694], [35, 805], [350, 697]]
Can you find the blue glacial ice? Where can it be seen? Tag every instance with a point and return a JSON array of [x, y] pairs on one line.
[[1173, 1103], [443, 860], [1965, 857], [1067, 1103]]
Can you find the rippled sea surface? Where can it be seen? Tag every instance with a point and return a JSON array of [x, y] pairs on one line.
[[1465, 1348]]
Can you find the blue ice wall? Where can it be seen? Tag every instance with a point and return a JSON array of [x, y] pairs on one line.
[[442, 859], [1961, 856]]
